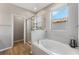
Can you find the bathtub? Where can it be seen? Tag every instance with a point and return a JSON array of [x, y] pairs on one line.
[[51, 47]]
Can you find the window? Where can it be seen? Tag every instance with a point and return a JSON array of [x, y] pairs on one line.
[[59, 18], [37, 23]]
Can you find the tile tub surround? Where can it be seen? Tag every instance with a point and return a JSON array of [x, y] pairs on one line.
[[37, 35], [71, 26]]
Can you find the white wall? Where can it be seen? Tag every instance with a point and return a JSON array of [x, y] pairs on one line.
[[71, 26], [73, 20], [5, 29], [6, 23], [78, 24]]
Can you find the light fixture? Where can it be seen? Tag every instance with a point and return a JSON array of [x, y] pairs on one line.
[[35, 8]]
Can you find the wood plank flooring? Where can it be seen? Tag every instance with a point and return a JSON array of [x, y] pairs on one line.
[[18, 49]]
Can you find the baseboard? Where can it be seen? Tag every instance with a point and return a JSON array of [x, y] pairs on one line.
[[18, 41], [5, 49], [28, 44]]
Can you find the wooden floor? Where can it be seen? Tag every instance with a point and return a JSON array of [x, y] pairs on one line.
[[18, 49]]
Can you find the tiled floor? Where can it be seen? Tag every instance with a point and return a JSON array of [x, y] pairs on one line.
[[18, 49]]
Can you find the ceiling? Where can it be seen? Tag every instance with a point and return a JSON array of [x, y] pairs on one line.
[[34, 7]]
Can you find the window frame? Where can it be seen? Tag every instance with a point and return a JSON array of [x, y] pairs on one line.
[[52, 9]]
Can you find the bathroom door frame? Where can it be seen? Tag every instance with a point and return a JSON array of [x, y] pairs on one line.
[[24, 18]]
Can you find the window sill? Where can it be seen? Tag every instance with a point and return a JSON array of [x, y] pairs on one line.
[[59, 21]]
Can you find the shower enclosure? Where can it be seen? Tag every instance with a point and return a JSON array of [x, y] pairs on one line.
[[32, 24]]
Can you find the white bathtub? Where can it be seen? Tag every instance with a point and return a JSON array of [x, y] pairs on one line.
[[50, 47]]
